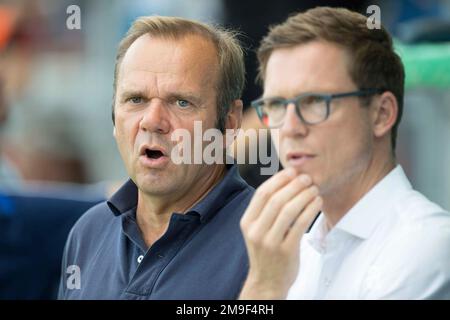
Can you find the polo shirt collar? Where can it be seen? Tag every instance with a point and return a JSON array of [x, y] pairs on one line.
[[230, 185], [126, 197]]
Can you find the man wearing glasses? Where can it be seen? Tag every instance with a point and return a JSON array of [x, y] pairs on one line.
[[333, 99]]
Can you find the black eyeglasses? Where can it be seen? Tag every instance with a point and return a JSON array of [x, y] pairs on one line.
[[312, 108]]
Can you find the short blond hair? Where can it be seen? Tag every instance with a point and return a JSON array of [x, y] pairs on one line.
[[229, 52]]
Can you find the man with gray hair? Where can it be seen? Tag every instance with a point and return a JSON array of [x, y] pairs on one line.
[[171, 231]]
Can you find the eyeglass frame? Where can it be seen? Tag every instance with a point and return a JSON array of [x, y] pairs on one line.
[[327, 97]]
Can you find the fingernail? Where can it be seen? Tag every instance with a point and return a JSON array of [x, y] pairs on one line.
[[291, 172], [305, 179]]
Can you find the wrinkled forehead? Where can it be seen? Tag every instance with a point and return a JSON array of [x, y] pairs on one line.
[[190, 55]]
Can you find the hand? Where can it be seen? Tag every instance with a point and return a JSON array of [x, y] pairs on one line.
[[279, 214]]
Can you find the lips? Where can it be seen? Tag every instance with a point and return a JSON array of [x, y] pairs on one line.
[[297, 159]]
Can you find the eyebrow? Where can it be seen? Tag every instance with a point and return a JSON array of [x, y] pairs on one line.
[[187, 95], [176, 94], [132, 93], [270, 97], [321, 92]]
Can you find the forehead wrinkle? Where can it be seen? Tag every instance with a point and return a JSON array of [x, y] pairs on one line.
[[170, 75], [131, 84]]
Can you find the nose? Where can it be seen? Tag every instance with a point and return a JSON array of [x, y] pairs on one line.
[[155, 117], [293, 125]]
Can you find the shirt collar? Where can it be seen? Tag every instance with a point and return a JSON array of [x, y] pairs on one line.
[[228, 187], [362, 219], [126, 197]]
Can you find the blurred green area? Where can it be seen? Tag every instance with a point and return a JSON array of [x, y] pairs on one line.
[[426, 65]]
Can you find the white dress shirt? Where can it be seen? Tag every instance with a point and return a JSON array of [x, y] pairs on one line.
[[393, 244]]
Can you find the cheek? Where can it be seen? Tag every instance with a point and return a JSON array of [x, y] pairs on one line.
[[196, 127], [126, 130], [275, 138], [280, 146], [348, 145]]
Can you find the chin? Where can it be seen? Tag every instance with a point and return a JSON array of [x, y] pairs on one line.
[[151, 182], [156, 189], [303, 169]]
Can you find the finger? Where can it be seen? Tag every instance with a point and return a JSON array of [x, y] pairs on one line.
[[303, 222], [279, 200], [264, 192], [290, 212]]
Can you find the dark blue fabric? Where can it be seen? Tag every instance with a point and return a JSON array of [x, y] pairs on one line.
[[202, 255], [33, 231]]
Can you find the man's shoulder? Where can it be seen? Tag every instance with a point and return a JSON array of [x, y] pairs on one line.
[[421, 231], [414, 260], [246, 193], [416, 210], [94, 220], [241, 199]]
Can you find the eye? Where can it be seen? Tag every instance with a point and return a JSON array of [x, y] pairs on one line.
[[274, 104], [183, 103], [312, 100], [135, 100]]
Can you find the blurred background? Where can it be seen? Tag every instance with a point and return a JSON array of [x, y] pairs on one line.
[[56, 143]]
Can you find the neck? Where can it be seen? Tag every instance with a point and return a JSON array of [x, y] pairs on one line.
[[153, 213], [344, 196]]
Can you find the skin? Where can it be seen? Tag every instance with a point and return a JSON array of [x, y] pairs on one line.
[[348, 154], [164, 85]]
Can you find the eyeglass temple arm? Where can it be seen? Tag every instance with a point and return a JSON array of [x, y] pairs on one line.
[[359, 93]]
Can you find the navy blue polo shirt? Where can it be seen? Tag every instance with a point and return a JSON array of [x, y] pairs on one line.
[[202, 255]]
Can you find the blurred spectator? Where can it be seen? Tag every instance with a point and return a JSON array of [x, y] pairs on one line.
[[34, 227], [34, 220]]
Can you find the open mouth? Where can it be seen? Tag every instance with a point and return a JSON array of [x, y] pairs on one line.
[[153, 154]]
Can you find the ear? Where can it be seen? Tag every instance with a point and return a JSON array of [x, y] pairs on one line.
[[233, 122], [234, 116], [385, 113]]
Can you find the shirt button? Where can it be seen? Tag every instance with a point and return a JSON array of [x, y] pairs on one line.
[[139, 259], [327, 282]]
